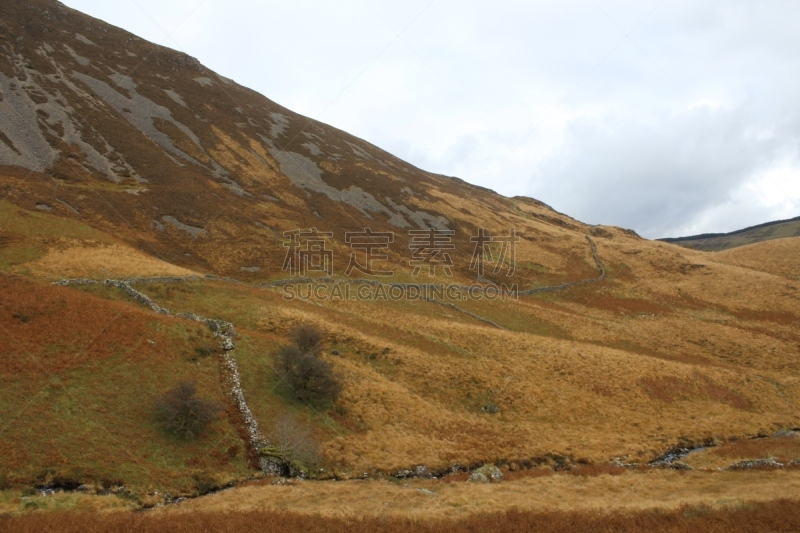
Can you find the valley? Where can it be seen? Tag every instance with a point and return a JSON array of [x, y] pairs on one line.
[[161, 225]]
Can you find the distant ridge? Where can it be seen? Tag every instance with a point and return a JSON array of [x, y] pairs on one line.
[[776, 229]]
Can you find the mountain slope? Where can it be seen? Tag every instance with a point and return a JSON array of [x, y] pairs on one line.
[[775, 256], [714, 242], [196, 170], [121, 159], [75, 399]]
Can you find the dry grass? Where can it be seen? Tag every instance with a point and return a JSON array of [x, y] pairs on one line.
[[777, 257], [627, 491], [782, 449], [101, 261], [416, 376], [77, 378], [674, 346], [668, 389], [777, 516]]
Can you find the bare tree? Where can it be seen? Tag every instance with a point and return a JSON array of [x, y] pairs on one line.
[[310, 377], [293, 440], [307, 338], [181, 413]]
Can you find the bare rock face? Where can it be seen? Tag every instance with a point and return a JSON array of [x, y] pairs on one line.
[[211, 173]]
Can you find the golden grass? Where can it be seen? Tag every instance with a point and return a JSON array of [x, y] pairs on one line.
[[779, 257], [101, 261], [631, 491], [416, 376], [774, 517], [14, 502], [782, 449], [676, 348]]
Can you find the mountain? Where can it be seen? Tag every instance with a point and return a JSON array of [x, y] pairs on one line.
[[194, 169], [122, 160], [714, 242]]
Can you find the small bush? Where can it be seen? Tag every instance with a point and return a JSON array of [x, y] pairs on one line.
[[21, 317], [299, 363], [182, 414], [205, 350], [309, 377]]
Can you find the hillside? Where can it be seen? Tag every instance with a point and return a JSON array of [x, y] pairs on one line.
[[122, 160], [715, 242], [193, 169], [777, 256]]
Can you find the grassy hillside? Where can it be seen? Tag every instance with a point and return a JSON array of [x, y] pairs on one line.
[[52, 246], [628, 368], [779, 257], [715, 242], [657, 354], [78, 376], [137, 161], [686, 365]]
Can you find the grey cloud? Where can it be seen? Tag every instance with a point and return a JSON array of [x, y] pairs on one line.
[[660, 177]]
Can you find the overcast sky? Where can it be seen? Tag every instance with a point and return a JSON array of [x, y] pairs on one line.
[[672, 118]]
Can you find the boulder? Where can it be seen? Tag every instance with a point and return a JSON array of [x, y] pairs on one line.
[[477, 477], [422, 472], [486, 474]]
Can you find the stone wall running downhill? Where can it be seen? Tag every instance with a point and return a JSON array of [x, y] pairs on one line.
[[225, 332]]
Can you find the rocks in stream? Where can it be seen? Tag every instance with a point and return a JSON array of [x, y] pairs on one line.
[[755, 463], [420, 471], [486, 474], [672, 459]]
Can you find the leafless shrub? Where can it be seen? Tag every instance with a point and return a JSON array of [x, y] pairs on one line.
[[307, 338], [293, 440], [181, 413]]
